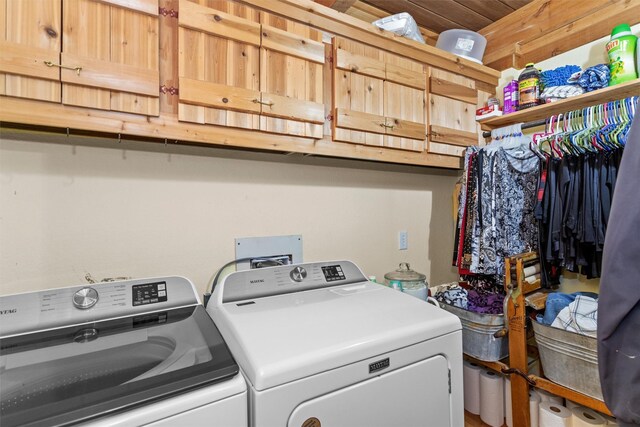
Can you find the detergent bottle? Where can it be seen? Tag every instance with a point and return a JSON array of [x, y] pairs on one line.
[[622, 55], [529, 87]]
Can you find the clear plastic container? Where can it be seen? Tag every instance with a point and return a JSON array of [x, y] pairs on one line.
[[401, 24], [464, 43]]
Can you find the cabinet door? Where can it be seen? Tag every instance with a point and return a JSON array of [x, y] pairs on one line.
[[114, 44], [292, 58], [358, 93], [379, 98], [219, 64], [30, 35], [453, 100], [405, 103]]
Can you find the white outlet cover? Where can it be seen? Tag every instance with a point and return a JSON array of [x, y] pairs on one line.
[[259, 247], [403, 243]]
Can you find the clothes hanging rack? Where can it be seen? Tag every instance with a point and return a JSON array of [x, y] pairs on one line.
[[526, 125]]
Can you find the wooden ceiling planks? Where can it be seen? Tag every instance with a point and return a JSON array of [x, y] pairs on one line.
[[424, 17], [491, 9], [441, 15]]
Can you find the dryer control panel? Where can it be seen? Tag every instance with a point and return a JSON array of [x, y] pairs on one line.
[[265, 282], [88, 303]]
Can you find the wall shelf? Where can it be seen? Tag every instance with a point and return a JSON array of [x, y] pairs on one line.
[[612, 93], [574, 396]]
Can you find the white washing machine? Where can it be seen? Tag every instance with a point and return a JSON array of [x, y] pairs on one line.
[[135, 352], [320, 345]]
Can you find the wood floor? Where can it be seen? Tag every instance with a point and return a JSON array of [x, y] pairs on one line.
[[471, 420]]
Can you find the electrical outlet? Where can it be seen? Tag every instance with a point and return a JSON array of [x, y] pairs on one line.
[[403, 242]]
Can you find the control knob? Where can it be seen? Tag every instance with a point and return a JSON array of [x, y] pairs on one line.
[[298, 274], [85, 298]]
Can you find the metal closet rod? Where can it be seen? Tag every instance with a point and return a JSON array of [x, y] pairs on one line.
[[532, 124]]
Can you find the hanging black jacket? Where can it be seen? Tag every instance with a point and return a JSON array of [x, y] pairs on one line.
[[619, 302]]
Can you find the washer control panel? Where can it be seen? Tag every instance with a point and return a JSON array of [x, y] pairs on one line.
[[264, 282], [85, 298], [99, 301]]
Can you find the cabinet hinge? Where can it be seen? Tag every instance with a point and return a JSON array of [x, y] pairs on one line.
[[170, 90], [168, 12], [449, 381]]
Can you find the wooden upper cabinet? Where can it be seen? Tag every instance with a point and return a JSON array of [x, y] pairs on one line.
[[243, 68], [379, 98], [97, 54]]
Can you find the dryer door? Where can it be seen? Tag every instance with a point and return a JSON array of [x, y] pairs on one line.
[[416, 395]]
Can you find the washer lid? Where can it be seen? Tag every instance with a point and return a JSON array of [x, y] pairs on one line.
[[81, 372], [282, 338]]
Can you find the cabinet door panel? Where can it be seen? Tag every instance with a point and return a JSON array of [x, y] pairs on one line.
[[107, 75], [453, 100], [292, 44], [218, 23], [292, 56], [81, 18], [30, 33], [198, 92], [403, 75], [285, 88], [453, 114], [405, 103], [294, 109], [357, 120], [191, 47], [28, 61], [117, 49], [348, 61], [135, 49], [214, 55], [404, 109], [362, 96]]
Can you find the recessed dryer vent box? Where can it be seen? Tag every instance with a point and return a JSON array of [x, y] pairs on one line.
[[268, 251]]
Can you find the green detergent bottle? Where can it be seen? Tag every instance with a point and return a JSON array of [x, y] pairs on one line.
[[622, 55]]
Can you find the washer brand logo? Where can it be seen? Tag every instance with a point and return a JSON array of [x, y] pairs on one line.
[[10, 311], [256, 281], [379, 365]]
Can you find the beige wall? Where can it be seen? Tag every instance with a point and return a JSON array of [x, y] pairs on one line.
[[76, 206]]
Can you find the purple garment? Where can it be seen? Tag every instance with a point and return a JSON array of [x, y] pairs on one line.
[[485, 303]]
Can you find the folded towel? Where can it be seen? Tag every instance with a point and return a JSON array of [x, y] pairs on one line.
[[595, 77], [561, 92], [558, 76]]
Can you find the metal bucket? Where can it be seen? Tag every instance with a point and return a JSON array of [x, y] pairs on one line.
[[478, 331], [569, 359]]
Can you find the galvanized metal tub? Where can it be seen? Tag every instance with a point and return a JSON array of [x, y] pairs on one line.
[[478, 331], [569, 359]]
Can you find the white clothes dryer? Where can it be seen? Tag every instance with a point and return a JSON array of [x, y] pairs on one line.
[[320, 345], [128, 353]]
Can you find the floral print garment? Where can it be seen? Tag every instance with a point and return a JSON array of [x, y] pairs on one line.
[[507, 225], [516, 180]]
